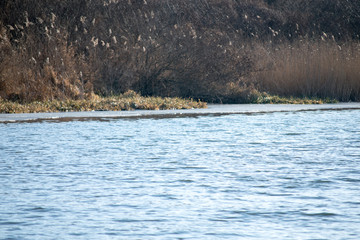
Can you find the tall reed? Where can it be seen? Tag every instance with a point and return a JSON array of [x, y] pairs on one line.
[[322, 69]]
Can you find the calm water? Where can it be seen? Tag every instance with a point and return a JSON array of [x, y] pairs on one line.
[[293, 175]]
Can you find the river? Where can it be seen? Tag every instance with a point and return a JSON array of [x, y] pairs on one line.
[[227, 172]]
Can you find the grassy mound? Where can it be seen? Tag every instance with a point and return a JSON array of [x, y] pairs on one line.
[[127, 101]]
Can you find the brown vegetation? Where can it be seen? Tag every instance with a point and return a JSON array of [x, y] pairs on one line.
[[320, 69], [127, 101], [213, 50]]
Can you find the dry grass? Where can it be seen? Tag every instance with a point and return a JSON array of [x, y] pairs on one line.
[[265, 98], [127, 101], [314, 69]]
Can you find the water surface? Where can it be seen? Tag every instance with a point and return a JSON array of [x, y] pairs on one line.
[[271, 175]]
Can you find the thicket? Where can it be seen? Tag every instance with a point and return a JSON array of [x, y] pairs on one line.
[[213, 50]]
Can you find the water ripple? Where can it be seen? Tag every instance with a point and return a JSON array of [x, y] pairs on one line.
[[256, 176]]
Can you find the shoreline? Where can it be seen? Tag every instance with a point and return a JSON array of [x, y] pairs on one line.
[[131, 100], [211, 110]]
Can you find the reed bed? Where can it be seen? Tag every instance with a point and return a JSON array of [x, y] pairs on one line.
[[324, 70]]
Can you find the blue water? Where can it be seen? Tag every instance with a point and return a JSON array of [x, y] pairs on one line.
[[293, 175]]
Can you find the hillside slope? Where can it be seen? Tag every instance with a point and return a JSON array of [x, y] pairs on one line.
[[213, 50]]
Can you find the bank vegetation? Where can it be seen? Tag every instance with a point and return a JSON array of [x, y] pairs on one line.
[[225, 51], [123, 102]]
